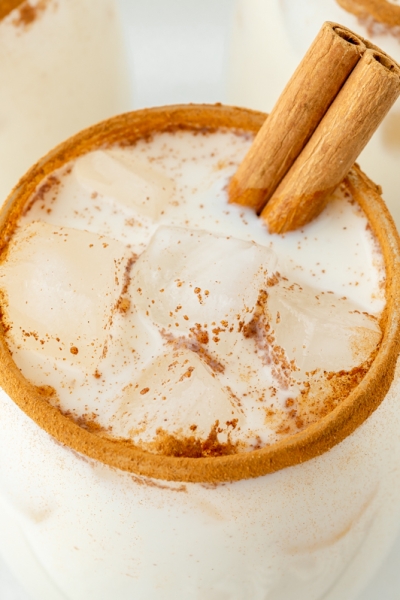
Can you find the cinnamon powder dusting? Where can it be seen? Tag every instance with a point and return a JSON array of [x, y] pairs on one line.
[[321, 393], [123, 303], [168, 444], [87, 421], [197, 345], [52, 183]]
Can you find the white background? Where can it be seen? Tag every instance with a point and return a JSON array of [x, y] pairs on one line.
[[179, 53]]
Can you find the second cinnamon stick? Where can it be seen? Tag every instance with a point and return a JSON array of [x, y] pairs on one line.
[[344, 131]]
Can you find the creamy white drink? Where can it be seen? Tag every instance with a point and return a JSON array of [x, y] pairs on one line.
[[63, 67], [269, 37], [181, 355], [175, 343]]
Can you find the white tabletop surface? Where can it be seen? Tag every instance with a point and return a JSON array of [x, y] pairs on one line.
[[178, 53]]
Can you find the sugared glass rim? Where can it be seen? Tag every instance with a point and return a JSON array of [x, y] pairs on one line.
[[7, 6], [298, 448]]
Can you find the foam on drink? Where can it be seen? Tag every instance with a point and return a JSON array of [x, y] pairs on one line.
[[153, 311]]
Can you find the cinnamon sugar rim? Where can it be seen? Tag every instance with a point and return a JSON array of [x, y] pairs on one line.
[[300, 447], [382, 11], [7, 6]]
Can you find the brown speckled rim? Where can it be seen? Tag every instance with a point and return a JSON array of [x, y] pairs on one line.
[[7, 6], [312, 442], [380, 10]]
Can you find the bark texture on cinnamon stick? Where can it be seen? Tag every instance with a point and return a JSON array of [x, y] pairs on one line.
[[306, 98], [358, 109]]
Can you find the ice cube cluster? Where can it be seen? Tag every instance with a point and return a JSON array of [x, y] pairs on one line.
[[160, 314], [60, 286]]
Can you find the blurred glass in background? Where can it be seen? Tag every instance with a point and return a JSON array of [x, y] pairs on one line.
[[63, 67]]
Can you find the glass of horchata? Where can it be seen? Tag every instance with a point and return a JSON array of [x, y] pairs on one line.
[[63, 67], [191, 407]]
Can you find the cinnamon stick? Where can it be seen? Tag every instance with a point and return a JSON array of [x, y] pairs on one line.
[[304, 101], [358, 109], [370, 46]]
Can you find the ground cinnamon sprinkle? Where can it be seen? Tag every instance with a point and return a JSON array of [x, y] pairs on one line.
[[187, 374], [86, 421], [46, 391], [168, 444], [195, 346], [5, 326], [260, 328], [51, 182], [274, 279], [123, 304], [200, 334], [127, 274], [322, 392]]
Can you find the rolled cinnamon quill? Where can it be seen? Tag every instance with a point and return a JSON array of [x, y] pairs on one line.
[[306, 98], [370, 46], [349, 123]]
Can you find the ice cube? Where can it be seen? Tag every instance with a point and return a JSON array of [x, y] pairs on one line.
[[135, 184], [60, 287], [186, 278], [178, 393], [320, 330]]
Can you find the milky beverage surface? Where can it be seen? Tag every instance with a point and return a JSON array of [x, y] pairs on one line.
[[152, 310]]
